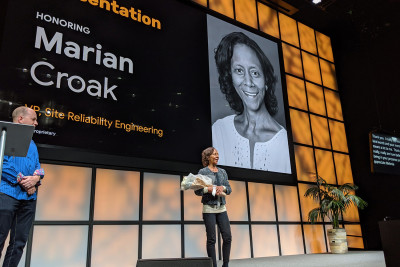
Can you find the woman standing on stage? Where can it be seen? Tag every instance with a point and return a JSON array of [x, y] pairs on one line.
[[214, 209]]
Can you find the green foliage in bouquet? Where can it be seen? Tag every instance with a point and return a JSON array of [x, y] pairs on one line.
[[334, 200]]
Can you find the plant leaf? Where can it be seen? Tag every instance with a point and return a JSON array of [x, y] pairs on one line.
[[334, 200]]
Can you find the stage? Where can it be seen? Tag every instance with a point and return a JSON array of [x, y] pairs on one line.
[[351, 259]]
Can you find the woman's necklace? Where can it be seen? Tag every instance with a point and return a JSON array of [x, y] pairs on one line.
[[213, 168]]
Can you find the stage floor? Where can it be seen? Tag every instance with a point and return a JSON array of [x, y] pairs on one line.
[[351, 259]]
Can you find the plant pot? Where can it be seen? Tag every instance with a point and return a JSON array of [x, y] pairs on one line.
[[337, 240]]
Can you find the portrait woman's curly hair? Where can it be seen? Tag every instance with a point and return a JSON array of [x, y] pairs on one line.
[[223, 57]]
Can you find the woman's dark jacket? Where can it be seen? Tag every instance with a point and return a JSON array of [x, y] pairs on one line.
[[208, 198]]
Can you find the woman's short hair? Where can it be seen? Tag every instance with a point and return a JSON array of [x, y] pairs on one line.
[[205, 155], [223, 57]]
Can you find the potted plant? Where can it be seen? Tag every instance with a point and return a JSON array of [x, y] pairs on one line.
[[334, 201]]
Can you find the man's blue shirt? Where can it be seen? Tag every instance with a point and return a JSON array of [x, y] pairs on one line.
[[12, 166]]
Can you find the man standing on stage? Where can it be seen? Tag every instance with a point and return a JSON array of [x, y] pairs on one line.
[[20, 179]]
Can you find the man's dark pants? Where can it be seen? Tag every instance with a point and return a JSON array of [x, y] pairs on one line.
[[15, 216]]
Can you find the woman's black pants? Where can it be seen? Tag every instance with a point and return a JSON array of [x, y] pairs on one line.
[[222, 220]]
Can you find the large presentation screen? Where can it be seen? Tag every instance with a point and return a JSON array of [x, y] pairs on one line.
[[123, 77], [247, 109], [142, 78]]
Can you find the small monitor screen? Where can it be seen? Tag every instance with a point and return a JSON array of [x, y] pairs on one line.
[[385, 153]]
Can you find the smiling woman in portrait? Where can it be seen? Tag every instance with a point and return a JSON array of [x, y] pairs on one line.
[[251, 138]]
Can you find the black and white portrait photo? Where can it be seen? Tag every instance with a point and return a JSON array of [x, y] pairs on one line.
[[247, 107]]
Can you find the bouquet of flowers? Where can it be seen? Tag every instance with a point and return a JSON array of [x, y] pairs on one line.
[[197, 181]]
